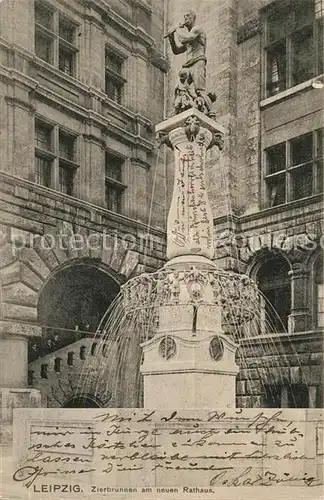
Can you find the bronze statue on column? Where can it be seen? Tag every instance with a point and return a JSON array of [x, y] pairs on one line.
[[191, 39]]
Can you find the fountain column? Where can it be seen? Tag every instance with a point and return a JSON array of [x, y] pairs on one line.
[[190, 362]]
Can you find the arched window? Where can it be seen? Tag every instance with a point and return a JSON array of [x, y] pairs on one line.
[[273, 281], [319, 292]]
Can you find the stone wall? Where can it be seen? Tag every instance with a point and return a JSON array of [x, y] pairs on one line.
[[30, 87], [41, 231], [284, 361]]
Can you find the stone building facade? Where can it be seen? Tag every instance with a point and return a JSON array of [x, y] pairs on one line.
[[82, 85], [79, 83], [265, 62]]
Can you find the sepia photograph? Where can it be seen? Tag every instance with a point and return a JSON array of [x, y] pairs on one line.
[[161, 249]]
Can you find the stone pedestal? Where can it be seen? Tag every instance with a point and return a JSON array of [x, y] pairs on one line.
[[14, 392], [192, 372], [190, 220], [14, 361], [190, 362]]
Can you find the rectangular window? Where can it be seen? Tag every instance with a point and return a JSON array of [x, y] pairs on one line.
[[113, 167], [113, 62], [66, 175], [66, 61], [44, 47], [43, 136], [276, 158], [44, 16], [113, 198], [55, 153], [67, 156], [66, 30], [43, 171], [55, 39], [67, 50], [293, 43], [113, 182], [66, 146], [302, 55], [43, 156], [113, 89], [294, 169], [114, 80]]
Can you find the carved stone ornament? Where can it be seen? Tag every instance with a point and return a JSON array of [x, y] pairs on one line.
[[236, 293]]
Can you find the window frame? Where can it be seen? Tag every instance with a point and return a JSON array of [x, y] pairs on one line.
[[54, 154], [289, 169], [59, 43], [113, 184], [287, 39], [116, 78]]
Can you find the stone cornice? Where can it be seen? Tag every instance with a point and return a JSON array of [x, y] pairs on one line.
[[11, 74], [228, 220], [125, 136], [316, 201], [90, 115], [111, 17], [144, 5], [280, 213], [113, 105], [158, 60], [141, 163], [15, 101], [143, 120], [283, 337], [20, 328], [96, 140]]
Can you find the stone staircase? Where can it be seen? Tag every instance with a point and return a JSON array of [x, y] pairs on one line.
[[59, 375]]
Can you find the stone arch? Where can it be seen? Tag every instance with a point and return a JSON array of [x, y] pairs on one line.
[[260, 257], [72, 302], [28, 261], [83, 401]]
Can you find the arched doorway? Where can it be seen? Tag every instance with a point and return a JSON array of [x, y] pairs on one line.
[[274, 283], [71, 306]]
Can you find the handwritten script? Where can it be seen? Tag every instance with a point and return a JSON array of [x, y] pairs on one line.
[[193, 450]]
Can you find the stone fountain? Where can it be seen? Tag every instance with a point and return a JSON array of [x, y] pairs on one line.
[[189, 361]]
